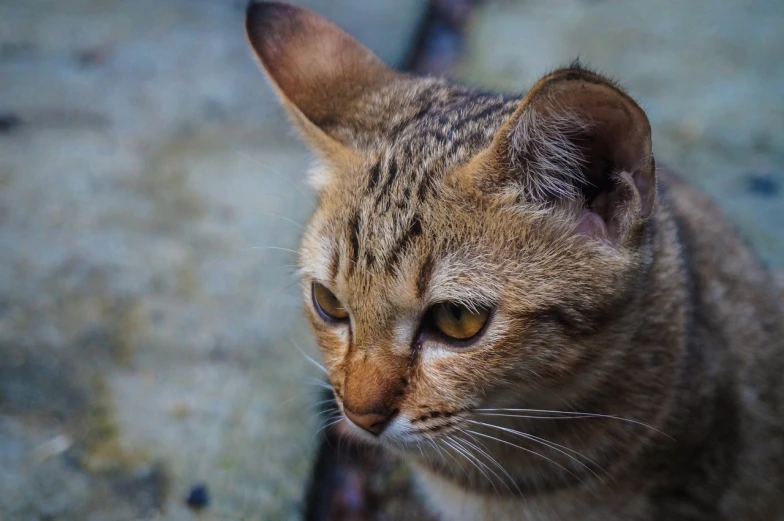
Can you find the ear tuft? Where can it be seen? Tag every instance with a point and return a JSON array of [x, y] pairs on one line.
[[542, 151]]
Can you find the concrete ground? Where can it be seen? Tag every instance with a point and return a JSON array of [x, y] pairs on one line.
[[150, 192]]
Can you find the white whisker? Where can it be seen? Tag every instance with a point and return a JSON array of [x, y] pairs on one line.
[[316, 382], [435, 444], [278, 248], [329, 422], [296, 266], [479, 464], [297, 187], [552, 445], [569, 414], [531, 417], [529, 451], [322, 402], [295, 223], [460, 451], [310, 359], [321, 415], [480, 449]]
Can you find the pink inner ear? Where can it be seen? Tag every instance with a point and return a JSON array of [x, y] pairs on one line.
[[592, 225]]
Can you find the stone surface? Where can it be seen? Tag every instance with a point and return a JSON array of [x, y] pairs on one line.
[[150, 191]]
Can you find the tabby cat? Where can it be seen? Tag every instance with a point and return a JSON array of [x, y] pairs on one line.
[[513, 298]]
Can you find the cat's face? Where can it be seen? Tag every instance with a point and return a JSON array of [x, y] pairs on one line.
[[448, 304], [469, 251]]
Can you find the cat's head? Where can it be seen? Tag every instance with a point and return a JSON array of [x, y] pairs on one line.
[[469, 250]]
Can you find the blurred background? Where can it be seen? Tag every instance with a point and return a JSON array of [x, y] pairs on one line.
[[152, 197]]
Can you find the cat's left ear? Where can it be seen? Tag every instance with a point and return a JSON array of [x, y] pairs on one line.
[[577, 137], [322, 75]]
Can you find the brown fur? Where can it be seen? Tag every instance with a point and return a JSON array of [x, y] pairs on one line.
[[615, 289]]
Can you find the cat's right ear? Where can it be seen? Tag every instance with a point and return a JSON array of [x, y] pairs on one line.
[[577, 139], [321, 74]]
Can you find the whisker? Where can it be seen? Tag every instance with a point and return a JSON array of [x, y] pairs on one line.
[[310, 359], [329, 422], [322, 402], [421, 452], [439, 451], [468, 446], [529, 451], [274, 172], [321, 415], [481, 450], [321, 408], [574, 414], [555, 446], [277, 248], [317, 382], [479, 464], [526, 416], [431, 444], [296, 268], [435, 441], [292, 399], [460, 451], [289, 286], [295, 223]]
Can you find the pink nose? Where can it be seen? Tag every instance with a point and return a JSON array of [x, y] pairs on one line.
[[372, 422]]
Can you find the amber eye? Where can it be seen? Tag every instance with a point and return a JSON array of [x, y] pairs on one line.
[[457, 321], [327, 303]]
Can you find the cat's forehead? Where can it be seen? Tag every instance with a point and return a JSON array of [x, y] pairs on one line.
[[432, 120], [396, 194], [411, 146], [389, 218]]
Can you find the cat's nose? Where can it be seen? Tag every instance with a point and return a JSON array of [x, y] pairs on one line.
[[372, 422]]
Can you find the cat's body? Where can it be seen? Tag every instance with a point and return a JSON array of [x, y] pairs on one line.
[[507, 298]]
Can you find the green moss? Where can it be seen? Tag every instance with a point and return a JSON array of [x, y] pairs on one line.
[[104, 451]]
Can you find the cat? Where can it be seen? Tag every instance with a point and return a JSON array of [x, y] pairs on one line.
[[510, 296]]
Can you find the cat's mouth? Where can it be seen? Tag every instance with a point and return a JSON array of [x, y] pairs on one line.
[[402, 431]]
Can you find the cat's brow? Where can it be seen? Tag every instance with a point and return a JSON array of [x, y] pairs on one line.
[[458, 285], [321, 260], [334, 264], [425, 274]]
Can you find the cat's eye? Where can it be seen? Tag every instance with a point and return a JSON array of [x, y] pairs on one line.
[[327, 304], [456, 321]]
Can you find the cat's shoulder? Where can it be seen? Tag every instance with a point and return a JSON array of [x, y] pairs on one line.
[[736, 294]]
